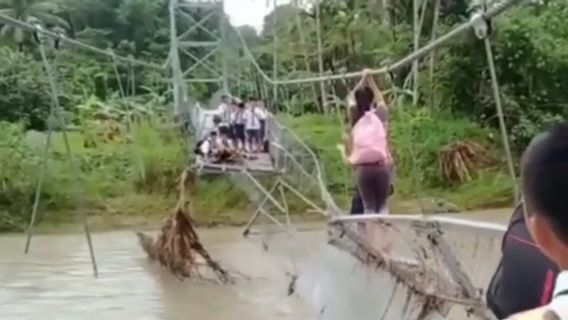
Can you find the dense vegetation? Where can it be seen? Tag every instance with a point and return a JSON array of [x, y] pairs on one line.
[[128, 156]]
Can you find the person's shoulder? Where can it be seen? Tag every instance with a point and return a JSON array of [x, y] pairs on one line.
[[542, 313]]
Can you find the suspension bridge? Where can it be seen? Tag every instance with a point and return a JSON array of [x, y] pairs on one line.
[[437, 263]]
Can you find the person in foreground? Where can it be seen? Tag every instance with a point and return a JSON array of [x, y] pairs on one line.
[[544, 186], [366, 148], [512, 289]]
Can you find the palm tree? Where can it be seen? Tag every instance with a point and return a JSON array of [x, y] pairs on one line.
[[30, 11]]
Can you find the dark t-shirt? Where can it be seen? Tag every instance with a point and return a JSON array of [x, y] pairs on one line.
[[525, 277]]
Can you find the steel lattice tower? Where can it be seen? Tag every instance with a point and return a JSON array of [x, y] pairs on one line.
[[198, 31]]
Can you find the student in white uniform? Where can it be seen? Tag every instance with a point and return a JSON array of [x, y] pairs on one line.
[[239, 126], [252, 126], [224, 109], [262, 113], [544, 186]]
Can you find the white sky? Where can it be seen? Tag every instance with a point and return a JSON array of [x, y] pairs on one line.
[[250, 12]]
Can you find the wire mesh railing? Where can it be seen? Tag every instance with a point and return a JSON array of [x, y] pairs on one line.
[[445, 261]]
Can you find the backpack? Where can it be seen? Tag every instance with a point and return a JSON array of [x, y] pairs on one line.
[[369, 140]]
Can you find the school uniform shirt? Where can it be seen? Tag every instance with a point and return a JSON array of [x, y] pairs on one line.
[[224, 111], [558, 307], [252, 120], [261, 113], [559, 302], [238, 117], [205, 147]]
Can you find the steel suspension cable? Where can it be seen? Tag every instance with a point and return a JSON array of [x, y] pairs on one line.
[[493, 12], [30, 27], [502, 126], [55, 109]]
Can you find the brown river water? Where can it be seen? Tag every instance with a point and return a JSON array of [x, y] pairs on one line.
[[54, 281]]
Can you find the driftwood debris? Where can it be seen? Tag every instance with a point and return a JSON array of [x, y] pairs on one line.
[[177, 246]]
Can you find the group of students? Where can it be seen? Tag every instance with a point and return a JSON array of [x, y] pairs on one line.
[[239, 131], [531, 281]]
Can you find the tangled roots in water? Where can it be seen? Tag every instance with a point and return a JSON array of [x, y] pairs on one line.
[[177, 246]]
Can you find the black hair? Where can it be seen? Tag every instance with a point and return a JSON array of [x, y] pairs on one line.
[[545, 179], [241, 105], [217, 119], [364, 98], [224, 130]]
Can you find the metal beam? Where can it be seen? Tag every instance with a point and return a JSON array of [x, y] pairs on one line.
[[223, 30], [198, 24], [195, 26], [210, 80], [200, 62]]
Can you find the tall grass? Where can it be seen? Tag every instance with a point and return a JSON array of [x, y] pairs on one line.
[[417, 136], [135, 173]]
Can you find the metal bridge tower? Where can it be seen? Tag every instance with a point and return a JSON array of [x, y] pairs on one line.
[[198, 32]]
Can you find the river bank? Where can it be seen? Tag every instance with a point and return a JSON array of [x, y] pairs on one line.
[[117, 222]]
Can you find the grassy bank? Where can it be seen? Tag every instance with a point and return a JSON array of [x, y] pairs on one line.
[[130, 178]]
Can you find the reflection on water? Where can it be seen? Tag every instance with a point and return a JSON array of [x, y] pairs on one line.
[[55, 281]]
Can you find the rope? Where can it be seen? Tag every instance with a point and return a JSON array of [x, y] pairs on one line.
[[502, 126], [55, 108], [41, 178], [29, 27], [251, 57], [494, 11]]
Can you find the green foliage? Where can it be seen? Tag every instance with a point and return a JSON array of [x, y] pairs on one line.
[[136, 172], [417, 136], [24, 89], [531, 50]]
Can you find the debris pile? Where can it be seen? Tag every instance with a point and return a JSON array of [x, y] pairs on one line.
[[177, 246]]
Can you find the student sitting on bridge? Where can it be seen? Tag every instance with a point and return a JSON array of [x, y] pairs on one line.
[[204, 147], [223, 149], [544, 185]]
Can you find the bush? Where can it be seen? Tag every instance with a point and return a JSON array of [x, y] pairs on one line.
[[531, 58], [417, 136]]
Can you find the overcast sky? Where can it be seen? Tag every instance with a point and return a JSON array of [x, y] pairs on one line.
[[250, 12]]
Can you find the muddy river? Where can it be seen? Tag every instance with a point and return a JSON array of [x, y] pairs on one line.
[[54, 281]]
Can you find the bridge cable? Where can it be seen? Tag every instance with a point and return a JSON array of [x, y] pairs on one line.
[[29, 27], [54, 111], [492, 12]]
